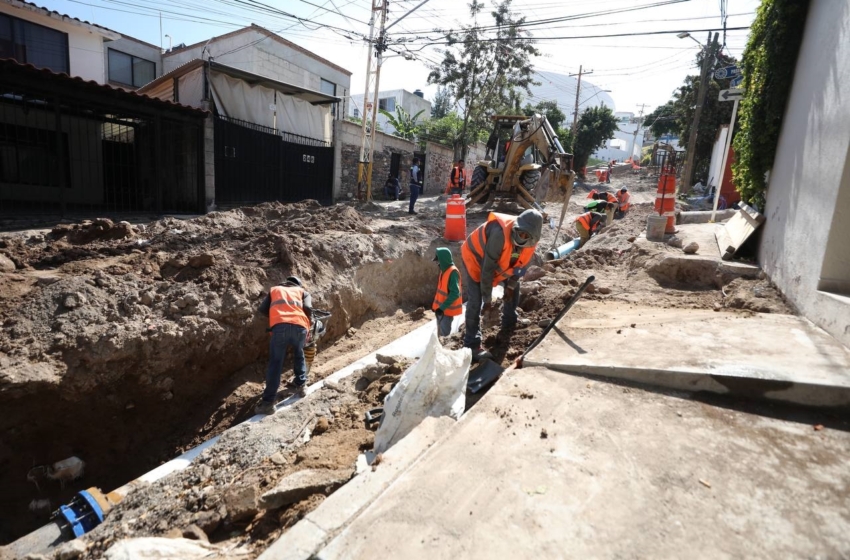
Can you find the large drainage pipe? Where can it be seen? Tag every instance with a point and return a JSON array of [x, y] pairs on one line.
[[89, 507], [563, 250]]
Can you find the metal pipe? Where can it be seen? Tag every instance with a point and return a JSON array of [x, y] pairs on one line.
[[563, 250]]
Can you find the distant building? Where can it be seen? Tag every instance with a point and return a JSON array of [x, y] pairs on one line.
[[625, 142], [389, 100]]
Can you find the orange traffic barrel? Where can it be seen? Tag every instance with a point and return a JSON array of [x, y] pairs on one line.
[[455, 218], [665, 199]]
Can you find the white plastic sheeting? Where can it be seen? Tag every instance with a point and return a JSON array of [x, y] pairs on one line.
[[433, 386], [190, 88], [160, 548], [238, 99]]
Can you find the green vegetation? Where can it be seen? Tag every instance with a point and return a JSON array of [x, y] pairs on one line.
[[596, 125], [486, 77], [405, 126], [768, 66]]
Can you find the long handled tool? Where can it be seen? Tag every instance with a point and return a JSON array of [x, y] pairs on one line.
[[560, 316]]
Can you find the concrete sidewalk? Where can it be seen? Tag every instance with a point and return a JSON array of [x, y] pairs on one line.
[[550, 465], [770, 356]]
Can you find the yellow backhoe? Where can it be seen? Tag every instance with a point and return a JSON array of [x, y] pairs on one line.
[[524, 163]]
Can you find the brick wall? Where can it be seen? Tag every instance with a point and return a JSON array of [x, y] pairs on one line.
[[438, 164]]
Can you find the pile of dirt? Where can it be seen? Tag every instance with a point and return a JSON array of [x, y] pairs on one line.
[[759, 296], [219, 497], [129, 336]]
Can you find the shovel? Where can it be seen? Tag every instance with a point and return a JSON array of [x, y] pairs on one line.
[[486, 372]]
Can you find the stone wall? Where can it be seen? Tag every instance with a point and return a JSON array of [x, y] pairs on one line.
[[385, 145], [438, 164]]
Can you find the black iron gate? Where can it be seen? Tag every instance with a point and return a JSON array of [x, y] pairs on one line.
[[256, 164]]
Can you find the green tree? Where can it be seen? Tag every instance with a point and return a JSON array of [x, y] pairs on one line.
[[663, 120], [595, 127], [485, 69], [768, 67], [548, 109], [405, 126], [442, 103]]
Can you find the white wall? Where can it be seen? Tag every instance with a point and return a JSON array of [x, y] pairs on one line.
[[403, 98], [812, 166], [85, 48], [259, 54]]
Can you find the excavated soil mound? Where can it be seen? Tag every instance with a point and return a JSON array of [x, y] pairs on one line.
[[114, 341]]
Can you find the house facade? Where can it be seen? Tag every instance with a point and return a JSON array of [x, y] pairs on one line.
[[389, 100], [259, 51], [625, 143], [47, 39]]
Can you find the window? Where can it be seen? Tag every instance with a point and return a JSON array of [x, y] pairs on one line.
[[130, 70], [327, 87], [387, 104], [357, 113], [30, 43]]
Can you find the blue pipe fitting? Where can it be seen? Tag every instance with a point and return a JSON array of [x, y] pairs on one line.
[[82, 514]]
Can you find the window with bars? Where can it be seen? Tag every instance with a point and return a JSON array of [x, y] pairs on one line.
[[130, 70], [30, 43]]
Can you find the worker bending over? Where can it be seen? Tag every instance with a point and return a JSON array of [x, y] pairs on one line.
[[623, 198], [457, 179], [447, 302], [609, 209], [496, 252], [589, 223], [289, 309]]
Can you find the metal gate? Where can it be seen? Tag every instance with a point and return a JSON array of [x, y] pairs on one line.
[[254, 164]]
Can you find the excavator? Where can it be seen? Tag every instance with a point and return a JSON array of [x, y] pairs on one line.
[[524, 163]]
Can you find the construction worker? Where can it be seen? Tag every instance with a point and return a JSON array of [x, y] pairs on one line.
[[497, 252], [609, 209], [623, 198], [289, 309], [610, 171], [415, 185], [392, 188], [587, 224], [457, 179], [447, 303]]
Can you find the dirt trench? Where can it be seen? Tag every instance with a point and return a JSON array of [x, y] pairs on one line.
[[124, 345]]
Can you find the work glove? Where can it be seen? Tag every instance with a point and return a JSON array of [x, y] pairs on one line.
[[439, 313]]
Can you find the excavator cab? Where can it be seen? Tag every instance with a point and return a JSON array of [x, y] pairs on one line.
[[524, 163]]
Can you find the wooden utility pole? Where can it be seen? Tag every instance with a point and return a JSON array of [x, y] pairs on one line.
[[710, 50], [578, 91], [377, 45]]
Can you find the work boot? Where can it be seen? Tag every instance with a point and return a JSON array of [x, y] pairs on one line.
[[479, 354], [264, 407], [300, 391]]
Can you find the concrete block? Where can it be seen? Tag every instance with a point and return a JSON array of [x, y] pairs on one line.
[[301, 484]]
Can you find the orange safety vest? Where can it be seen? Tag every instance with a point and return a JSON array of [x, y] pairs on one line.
[[287, 306], [472, 250], [456, 306], [586, 220], [612, 198], [623, 199], [458, 179]]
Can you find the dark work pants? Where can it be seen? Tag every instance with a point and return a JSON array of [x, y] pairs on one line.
[[283, 336], [414, 194]]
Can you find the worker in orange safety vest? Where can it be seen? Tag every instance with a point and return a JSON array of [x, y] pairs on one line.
[[289, 309], [587, 224], [497, 252], [447, 301], [623, 198], [457, 179]]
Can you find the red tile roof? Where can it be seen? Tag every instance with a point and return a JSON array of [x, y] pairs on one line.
[[12, 68]]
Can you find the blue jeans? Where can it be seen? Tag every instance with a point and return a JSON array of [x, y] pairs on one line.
[[283, 336], [472, 334], [444, 325], [414, 194]]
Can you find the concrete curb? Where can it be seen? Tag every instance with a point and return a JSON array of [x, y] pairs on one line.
[[319, 527], [793, 392]]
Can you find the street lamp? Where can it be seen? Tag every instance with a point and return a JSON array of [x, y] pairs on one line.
[[685, 34], [594, 95]]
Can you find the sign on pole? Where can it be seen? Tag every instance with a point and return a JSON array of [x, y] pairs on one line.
[[732, 94], [736, 81], [728, 72]]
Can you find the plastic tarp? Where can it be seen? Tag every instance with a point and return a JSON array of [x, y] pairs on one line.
[[433, 386], [160, 548], [190, 88], [238, 99]]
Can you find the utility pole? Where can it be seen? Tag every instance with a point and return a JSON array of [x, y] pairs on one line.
[[370, 108], [710, 49], [637, 129], [578, 91]]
